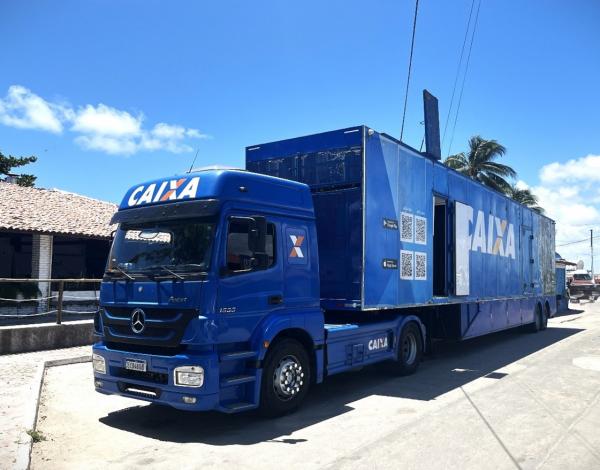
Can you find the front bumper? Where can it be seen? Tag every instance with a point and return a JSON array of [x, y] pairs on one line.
[[156, 385], [583, 292]]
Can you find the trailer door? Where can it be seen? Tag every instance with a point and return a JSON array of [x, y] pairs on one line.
[[527, 258]]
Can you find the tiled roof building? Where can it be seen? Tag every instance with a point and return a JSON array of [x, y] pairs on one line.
[[48, 233], [55, 212]]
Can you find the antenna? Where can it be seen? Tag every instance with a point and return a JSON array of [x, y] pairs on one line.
[[194, 160]]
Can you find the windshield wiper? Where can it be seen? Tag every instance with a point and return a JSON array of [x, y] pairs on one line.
[[178, 276], [122, 271], [200, 267], [164, 268]]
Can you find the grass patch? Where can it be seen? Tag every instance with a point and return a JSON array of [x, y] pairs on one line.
[[36, 436]]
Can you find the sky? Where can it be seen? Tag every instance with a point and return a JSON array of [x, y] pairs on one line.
[[109, 93]]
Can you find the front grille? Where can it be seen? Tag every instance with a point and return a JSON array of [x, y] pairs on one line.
[[145, 349], [164, 327], [155, 377]]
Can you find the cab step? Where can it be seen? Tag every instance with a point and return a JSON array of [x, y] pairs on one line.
[[238, 355], [237, 380], [240, 406]]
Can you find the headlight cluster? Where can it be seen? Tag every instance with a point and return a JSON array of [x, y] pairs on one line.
[[189, 376], [99, 363]]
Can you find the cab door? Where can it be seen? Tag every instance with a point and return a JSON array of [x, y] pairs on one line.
[[250, 284]]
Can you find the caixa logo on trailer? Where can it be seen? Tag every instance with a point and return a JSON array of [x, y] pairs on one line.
[[490, 235], [169, 190]]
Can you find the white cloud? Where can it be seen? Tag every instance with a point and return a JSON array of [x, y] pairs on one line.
[[109, 144], [196, 134], [23, 109], [97, 127], [585, 169], [104, 120], [166, 131], [569, 194]]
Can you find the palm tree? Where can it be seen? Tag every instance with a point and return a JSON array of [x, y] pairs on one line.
[[525, 197], [479, 163]]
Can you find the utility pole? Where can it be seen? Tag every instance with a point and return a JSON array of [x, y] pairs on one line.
[[592, 249]]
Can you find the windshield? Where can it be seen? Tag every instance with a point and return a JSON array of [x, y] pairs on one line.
[[176, 245], [582, 277]]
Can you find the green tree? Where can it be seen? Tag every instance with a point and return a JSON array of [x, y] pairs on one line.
[[479, 163], [525, 197], [7, 163]]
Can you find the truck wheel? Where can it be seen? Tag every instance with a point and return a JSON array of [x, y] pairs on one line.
[[285, 378], [538, 321], [410, 349], [545, 314]]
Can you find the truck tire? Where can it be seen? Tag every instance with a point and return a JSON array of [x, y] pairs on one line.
[[285, 379], [410, 349], [546, 316], [538, 321]]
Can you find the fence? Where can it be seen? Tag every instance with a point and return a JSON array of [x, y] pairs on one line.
[[42, 305]]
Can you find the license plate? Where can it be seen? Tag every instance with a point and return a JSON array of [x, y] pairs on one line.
[[133, 364]]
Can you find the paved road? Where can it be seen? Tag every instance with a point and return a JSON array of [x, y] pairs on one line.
[[511, 400]]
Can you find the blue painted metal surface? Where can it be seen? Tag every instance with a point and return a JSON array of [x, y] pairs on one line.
[[376, 232], [355, 345], [221, 185]]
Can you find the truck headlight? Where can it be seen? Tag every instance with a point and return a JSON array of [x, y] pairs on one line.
[[189, 376], [99, 363]]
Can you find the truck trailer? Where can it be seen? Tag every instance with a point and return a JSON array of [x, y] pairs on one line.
[[232, 290]]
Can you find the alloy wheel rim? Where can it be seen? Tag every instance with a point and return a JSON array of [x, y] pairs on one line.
[[288, 378]]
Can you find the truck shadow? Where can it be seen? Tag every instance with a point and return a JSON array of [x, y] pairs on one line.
[[452, 365]]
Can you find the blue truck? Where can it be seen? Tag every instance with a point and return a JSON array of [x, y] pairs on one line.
[[232, 290]]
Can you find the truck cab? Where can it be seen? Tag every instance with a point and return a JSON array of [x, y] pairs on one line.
[[194, 293]]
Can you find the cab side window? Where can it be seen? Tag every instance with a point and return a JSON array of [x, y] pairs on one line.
[[239, 257]]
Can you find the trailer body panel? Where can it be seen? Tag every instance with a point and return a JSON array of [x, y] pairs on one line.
[[428, 234]]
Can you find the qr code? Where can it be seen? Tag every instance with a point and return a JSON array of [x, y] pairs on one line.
[[406, 264], [420, 230], [420, 266], [406, 227]]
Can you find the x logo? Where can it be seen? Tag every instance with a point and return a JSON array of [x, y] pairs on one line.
[[296, 249]]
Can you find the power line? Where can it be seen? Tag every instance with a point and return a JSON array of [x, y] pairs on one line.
[[412, 46], [462, 52], [462, 88], [576, 241]]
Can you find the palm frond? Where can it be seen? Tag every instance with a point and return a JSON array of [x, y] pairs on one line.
[[498, 168], [457, 162]]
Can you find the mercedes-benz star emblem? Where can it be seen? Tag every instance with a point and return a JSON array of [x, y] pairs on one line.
[[138, 320]]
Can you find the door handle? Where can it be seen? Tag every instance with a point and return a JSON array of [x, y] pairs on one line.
[[275, 299]]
